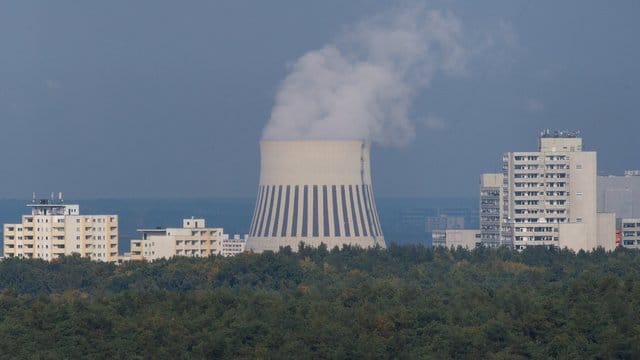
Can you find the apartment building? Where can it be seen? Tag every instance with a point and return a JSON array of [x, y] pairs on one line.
[[549, 196], [193, 239], [630, 233], [54, 228], [491, 214], [232, 246]]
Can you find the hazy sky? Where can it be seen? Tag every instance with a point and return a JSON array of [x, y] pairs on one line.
[[154, 98]]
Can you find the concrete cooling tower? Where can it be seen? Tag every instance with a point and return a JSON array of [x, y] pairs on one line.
[[315, 192]]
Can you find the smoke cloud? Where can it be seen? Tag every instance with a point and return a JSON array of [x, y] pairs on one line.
[[362, 85]]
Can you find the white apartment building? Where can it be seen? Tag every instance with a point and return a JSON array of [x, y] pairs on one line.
[[549, 196], [193, 239], [491, 214], [233, 246], [54, 229]]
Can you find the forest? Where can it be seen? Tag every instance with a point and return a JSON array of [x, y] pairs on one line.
[[404, 302]]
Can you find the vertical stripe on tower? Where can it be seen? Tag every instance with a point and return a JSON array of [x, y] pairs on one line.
[[325, 211], [305, 210], [345, 212], [256, 211], [315, 212], [356, 232], [294, 216], [369, 210], [335, 207], [375, 212], [276, 221], [264, 210], [362, 220], [267, 226], [287, 216]]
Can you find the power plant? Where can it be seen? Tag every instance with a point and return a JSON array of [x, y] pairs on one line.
[[314, 192]]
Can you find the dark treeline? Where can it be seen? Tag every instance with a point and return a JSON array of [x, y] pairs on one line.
[[404, 302]]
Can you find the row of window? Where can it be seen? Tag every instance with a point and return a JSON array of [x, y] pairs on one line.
[[547, 220], [535, 158], [536, 176], [543, 193]]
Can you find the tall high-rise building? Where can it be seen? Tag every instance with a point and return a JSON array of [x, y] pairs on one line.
[[54, 228], [550, 196], [491, 214]]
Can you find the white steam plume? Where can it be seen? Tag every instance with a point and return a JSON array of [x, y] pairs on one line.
[[362, 85]]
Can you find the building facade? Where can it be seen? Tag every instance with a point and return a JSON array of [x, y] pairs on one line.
[[193, 239], [549, 195], [232, 246], [449, 238], [491, 201], [630, 233], [620, 194], [54, 229]]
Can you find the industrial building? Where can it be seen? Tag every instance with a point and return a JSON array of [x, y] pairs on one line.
[[193, 239], [54, 228], [314, 192]]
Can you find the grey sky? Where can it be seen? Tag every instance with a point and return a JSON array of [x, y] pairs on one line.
[[165, 98]]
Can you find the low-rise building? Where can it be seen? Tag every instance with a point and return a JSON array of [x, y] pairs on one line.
[[630, 233], [233, 246], [54, 228], [457, 238], [193, 239]]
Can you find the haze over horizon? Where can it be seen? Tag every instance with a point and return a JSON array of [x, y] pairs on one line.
[[165, 99]]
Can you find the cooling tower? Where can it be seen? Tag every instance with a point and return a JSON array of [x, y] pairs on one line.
[[314, 192]]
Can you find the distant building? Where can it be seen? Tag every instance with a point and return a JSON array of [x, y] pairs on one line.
[[456, 238], [620, 194], [550, 196], [193, 239], [233, 246], [491, 214], [630, 233], [55, 228], [443, 222]]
